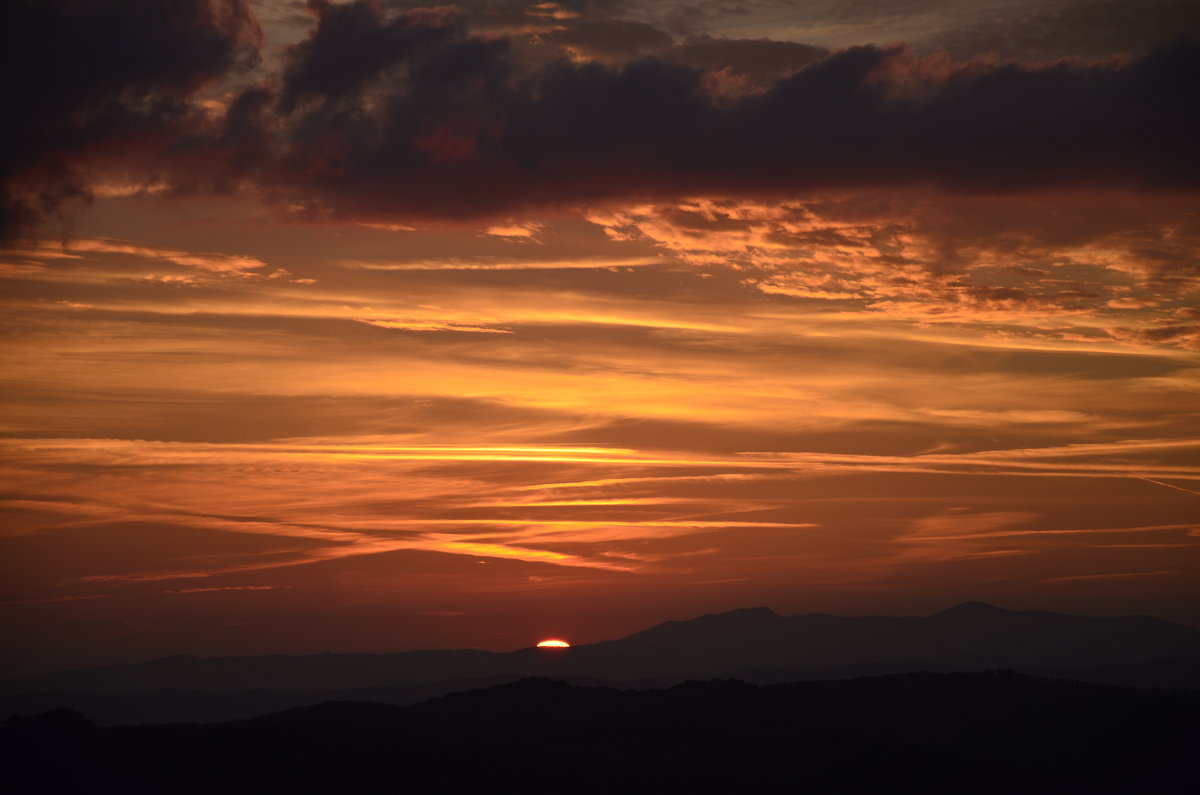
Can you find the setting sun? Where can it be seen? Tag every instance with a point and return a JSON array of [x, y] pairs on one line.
[[554, 644]]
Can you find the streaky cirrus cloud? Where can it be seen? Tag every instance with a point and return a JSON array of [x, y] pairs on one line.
[[315, 501]]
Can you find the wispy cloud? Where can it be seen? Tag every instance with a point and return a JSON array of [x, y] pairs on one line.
[[1046, 532], [1108, 576], [338, 500], [55, 599], [494, 264], [220, 588], [208, 261]]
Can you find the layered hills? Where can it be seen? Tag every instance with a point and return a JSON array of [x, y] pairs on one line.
[[754, 644]]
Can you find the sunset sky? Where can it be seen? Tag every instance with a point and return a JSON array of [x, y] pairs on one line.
[[373, 326]]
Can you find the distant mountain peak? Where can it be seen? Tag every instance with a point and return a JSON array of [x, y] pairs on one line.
[[740, 617], [711, 629], [967, 609], [751, 611]]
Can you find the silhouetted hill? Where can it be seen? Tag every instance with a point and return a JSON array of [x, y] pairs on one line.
[[753, 643], [1182, 673], [971, 636], [203, 706], [930, 733], [276, 672]]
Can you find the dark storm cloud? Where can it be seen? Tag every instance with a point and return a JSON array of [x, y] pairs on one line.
[[1016, 28], [87, 80], [761, 60], [384, 114], [609, 38], [1090, 28], [453, 125], [353, 44]]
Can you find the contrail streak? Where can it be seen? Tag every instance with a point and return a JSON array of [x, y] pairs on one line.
[[1168, 485]]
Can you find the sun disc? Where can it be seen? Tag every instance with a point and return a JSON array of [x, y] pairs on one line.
[[554, 644]]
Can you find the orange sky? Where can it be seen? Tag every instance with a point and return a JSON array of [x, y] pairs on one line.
[[231, 427]]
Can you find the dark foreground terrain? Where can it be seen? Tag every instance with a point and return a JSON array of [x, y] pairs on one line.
[[993, 732]]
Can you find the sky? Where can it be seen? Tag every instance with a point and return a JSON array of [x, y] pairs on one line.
[[373, 326]]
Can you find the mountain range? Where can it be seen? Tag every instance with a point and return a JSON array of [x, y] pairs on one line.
[[753, 644]]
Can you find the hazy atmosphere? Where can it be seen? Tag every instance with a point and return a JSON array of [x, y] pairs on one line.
[[372, 326]]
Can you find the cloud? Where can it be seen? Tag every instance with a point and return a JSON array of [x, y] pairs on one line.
[[463, 134], [1032, 29], [417, 325], [605, 39], [55, 599], [90, 87], [967, 523], [762, 61], [229, 588], [1090, 28], [1063, 267], [292, 511], [1109, 576], [208, 261], [501, 264], [383, 117], [354, 44]]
